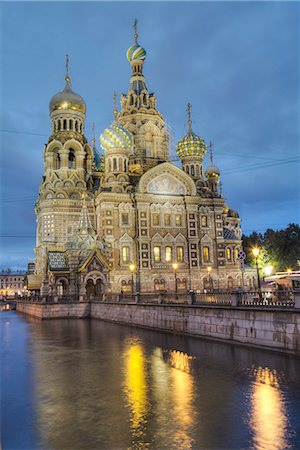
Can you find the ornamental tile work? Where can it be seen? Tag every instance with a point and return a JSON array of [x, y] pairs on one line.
[[57, 261]]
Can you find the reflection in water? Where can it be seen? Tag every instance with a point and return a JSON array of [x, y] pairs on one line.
[[268, 416], [182, 394], [136, 390]]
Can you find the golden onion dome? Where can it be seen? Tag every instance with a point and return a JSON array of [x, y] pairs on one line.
[[67, 99], [212, 172], [190, 144]]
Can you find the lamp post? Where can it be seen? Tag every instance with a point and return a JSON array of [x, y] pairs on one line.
[[209, 277], [175, 267], [132, 269], [255, 252]]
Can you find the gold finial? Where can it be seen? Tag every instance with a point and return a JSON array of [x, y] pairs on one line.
[[189, 116], [67, 77], [211, 152], [115, 107], [135, 30], [94, 139]]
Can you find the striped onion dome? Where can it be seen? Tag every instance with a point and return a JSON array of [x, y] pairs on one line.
[[136, 53], [191, 145], [114, 137]]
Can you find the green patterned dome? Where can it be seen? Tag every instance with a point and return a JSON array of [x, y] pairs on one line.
[[191, 145], [136, 53], [115, 136]]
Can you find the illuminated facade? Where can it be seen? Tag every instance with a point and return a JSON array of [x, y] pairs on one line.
[[96, 214]]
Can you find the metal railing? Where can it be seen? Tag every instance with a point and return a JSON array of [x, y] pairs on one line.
[[270, 299]]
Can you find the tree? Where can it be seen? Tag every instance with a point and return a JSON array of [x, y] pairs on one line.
[[280, 249]]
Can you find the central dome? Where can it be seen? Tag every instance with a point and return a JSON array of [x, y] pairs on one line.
[[67, 99], [115, 136]]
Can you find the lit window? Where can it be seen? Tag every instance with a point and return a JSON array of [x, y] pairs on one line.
[[157, 253], [155, 219], [125, 254], [168, 254], [125, 218], [167, 219], [236, 253], [180, 253], [206, 255], [178, 219], [204, 221], [228, 254]]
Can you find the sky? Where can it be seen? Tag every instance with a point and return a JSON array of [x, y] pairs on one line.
[[237, 63]]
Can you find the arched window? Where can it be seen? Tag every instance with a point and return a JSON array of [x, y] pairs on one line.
[[114, 164], [228, 254], [204, 221], [168, 253], [65, 124], [206, 254], [56, 161], [187, 170], [71, 164], [192, 171], [230, 283]]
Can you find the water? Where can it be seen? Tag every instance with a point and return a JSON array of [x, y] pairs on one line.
[[79, 384]]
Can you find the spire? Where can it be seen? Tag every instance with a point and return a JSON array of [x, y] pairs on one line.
[[221, 188], [84, 221], [135, 24], [94, 138], [67, 77], [116, 118], [189, 117], [211, 153]]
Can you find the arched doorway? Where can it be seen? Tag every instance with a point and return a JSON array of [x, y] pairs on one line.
[[94, 288]]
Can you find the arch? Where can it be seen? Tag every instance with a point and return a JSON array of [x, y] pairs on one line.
[[166, 178]]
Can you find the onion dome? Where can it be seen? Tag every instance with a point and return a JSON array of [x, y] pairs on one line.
[[212, 171], [114, 137], [67, 99], [190, 144], [136, 52]]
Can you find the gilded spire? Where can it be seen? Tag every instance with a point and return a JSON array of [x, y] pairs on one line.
[[135, 24], [189, 116], [67, 77]]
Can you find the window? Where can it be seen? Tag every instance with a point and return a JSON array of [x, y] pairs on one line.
[[168, 254], [180, 253], [71, 159], [192, 171], [157, 253], [236, 253], [125, 218], [155, 219], [167, 219], [178, 220], [228, 254], [204, 221], [125, 254], [206, 254]]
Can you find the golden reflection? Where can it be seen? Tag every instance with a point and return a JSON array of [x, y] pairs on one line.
[[182, 394], [268, 418], [136, 388], [180, 361]]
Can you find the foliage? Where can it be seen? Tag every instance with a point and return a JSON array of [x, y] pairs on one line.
[[280, 249]]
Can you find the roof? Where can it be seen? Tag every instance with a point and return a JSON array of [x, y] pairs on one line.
[[230, 234], [34, 282]]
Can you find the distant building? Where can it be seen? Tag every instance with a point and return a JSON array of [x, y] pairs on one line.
[[97, 215], [12, 284]]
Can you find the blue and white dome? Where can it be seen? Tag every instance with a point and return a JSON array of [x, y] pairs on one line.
[[114, 137], [136, 53]]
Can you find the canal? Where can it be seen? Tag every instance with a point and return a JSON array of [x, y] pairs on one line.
[[81, 384]]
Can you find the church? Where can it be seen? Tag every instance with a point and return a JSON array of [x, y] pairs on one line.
[[129, 220]]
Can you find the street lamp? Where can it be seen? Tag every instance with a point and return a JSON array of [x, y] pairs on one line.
[[132, 269], [175, 267], [255, 252], [209, 277]]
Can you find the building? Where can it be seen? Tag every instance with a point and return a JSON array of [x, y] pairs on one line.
[[12, 284], [99, 214]]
